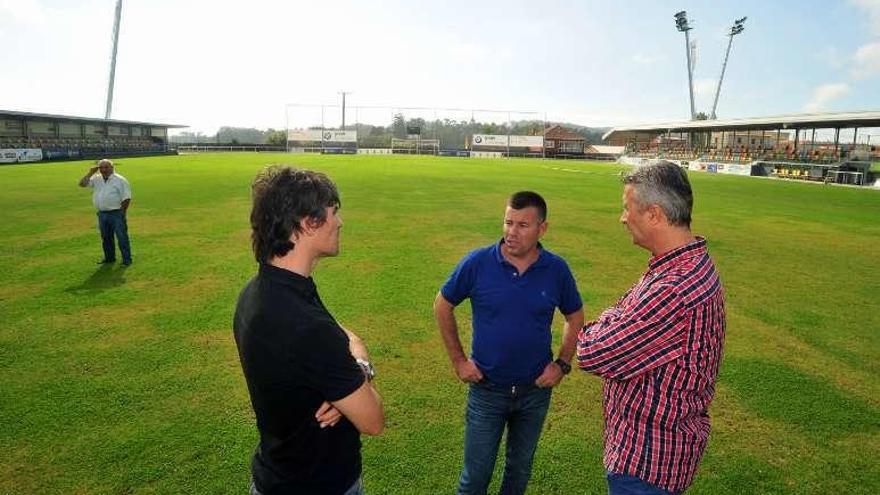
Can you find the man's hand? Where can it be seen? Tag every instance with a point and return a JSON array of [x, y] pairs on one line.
[[85, 180], [551, 376], [327, 415], [467, 371]]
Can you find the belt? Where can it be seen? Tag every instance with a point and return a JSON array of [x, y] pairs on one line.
[[109, 211]]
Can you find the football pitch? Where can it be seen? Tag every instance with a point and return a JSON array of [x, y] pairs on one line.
[[120, 380]]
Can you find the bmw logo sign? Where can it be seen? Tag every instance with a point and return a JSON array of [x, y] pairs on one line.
[[328, 135], [478, 139]]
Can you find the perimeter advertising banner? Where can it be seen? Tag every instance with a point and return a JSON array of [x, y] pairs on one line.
[[502, 140], [317, 135], [334, 136], [21, 155]]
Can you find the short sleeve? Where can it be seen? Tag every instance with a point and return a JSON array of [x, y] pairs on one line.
[[327, 363], [460, 283], [126, 190], [570, 300]]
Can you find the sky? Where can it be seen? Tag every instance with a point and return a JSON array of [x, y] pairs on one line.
[[212, 63]]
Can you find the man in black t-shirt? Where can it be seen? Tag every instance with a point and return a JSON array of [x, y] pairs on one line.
[[310, 379]]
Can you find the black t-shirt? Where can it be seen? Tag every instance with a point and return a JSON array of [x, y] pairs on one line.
[[295, 356]]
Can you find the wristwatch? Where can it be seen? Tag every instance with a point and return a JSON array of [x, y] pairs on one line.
[[565, 367], [367, 368]]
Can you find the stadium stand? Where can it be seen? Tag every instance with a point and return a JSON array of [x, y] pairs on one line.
[[61, 137], [778, 147]]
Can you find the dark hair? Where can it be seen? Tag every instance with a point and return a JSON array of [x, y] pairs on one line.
[[666, 185], [525, 199], [284, 196]]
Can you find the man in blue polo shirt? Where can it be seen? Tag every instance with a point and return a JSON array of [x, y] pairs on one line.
[[514, 286]]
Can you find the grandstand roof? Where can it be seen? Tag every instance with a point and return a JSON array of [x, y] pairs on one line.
[[47, 116], [795, 121]]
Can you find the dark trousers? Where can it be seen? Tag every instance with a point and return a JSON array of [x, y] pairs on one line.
[[490, 409], [112, 224], [624, 484]]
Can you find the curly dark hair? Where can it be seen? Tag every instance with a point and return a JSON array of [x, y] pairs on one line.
[[283, 197]]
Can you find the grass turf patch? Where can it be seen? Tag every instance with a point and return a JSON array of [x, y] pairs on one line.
[[127, 380]]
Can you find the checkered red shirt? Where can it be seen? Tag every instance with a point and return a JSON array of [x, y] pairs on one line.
[[658, 350]]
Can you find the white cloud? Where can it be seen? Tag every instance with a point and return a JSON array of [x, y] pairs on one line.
[[873, 9], [22, 11], [866, 61], [824, 95], [705, 87], [648, 59]]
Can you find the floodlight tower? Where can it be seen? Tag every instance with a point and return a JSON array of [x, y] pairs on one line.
[[109, 107], [738, 27], [681, 23]]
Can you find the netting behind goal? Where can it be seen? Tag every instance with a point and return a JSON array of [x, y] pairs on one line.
[[415, 146]]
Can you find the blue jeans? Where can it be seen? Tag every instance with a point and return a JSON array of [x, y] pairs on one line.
[[356, 489], [113, 223], [490, 408], [624, 484]]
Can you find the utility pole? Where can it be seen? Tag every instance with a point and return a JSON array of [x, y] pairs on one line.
[[109, 107], [737, 28], [343, 93], [681, 23]]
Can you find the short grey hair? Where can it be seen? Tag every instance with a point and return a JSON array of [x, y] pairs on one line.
[[666, 185]]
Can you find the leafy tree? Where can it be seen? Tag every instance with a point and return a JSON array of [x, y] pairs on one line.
[[276, 138]]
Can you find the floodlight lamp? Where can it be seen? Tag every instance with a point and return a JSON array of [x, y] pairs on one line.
[[738, 26], [681, 21]]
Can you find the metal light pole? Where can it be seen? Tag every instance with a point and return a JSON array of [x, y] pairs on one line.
[[109, 107], [681, 23], [737, 28]]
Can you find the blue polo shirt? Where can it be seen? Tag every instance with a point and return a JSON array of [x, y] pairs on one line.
[[512, 312]]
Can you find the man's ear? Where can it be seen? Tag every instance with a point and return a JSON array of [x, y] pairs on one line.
[[656, 215], [542, 229], [306, 227], [309, 225]]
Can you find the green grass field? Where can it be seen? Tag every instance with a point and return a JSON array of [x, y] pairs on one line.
[[127, 381]]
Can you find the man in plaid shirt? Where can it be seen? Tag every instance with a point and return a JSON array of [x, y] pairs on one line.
[[658, 349]]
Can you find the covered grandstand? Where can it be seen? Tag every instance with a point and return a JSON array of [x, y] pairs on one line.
[[822, 147], [26, 137]]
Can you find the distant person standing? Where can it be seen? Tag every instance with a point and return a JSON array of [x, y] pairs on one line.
[[658, 349], [111, 195]]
